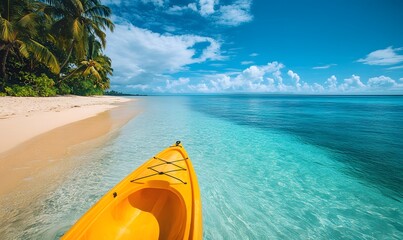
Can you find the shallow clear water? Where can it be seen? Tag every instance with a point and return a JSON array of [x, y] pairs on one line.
[[269, 167]]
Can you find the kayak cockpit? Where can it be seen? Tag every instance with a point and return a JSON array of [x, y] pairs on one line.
[[148, 213]]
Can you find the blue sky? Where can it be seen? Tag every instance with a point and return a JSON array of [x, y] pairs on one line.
[[257, 46]]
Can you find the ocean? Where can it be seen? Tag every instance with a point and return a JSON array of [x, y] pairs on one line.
[[269, 166]]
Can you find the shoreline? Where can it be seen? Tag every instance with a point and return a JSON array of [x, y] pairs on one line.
[[36, 166], [22, 119]]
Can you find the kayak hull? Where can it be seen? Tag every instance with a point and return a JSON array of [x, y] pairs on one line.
[[159, 200]]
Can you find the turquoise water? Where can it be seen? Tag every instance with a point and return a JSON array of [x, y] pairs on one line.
[[269, 167]]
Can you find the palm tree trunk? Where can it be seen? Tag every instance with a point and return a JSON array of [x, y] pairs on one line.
[[3, 69], [71, 74], [68, 56]]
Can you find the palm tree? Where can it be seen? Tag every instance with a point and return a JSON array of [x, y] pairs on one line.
[[96, 64], [95, 58], [19, 21], [75, 21], [99, 67]]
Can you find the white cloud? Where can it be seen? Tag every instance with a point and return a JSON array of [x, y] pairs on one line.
[[217, 64], [275, 68], [396, 67], [180, 82], [140, 55], [192, 6], [200, 88], [268, 79], [331, 83], [176, 86], [254, 73], [235, 14], [352, 84], [324, 67], [143, 61], [141, 87], [207, 6], [223, 82], [158, 3], [387, 56], [354, 81], [318, 88], [263, 78], [381, 82], [231, 13], [296, 78], [170, 28], [254, 54], [247, 62], [178, 9]]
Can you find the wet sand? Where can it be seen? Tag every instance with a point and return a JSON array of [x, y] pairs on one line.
[[24, 118], [36, 166]]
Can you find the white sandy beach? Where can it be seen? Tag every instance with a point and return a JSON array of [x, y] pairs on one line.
[[23, 118], [39, 137], [37, 133]]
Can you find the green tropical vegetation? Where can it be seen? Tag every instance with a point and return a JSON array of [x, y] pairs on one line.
[[52, 47]]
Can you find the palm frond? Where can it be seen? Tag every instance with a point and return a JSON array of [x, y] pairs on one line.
[[79, 49], [79, 7], [54, 11], [28, 23], [103, 22], [92, 2], [95, 73], [6, 28], [51, 2], [98, 10], [62, 28], [77, 29], [51, 38], [100, 34], [75, 71], [97, 65], [28, 20], [94, 47], [43, 55], [106, 64], [23, 48], [87, 71]]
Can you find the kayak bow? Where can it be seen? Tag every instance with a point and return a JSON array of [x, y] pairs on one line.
[[159, 200]]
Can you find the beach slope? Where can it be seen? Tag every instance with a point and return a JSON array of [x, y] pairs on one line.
[[36, 133], [23, 118]]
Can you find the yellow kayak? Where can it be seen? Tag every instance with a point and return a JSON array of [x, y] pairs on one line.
[[159, 200]]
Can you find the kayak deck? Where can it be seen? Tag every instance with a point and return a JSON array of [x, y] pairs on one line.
[[159, 200]]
